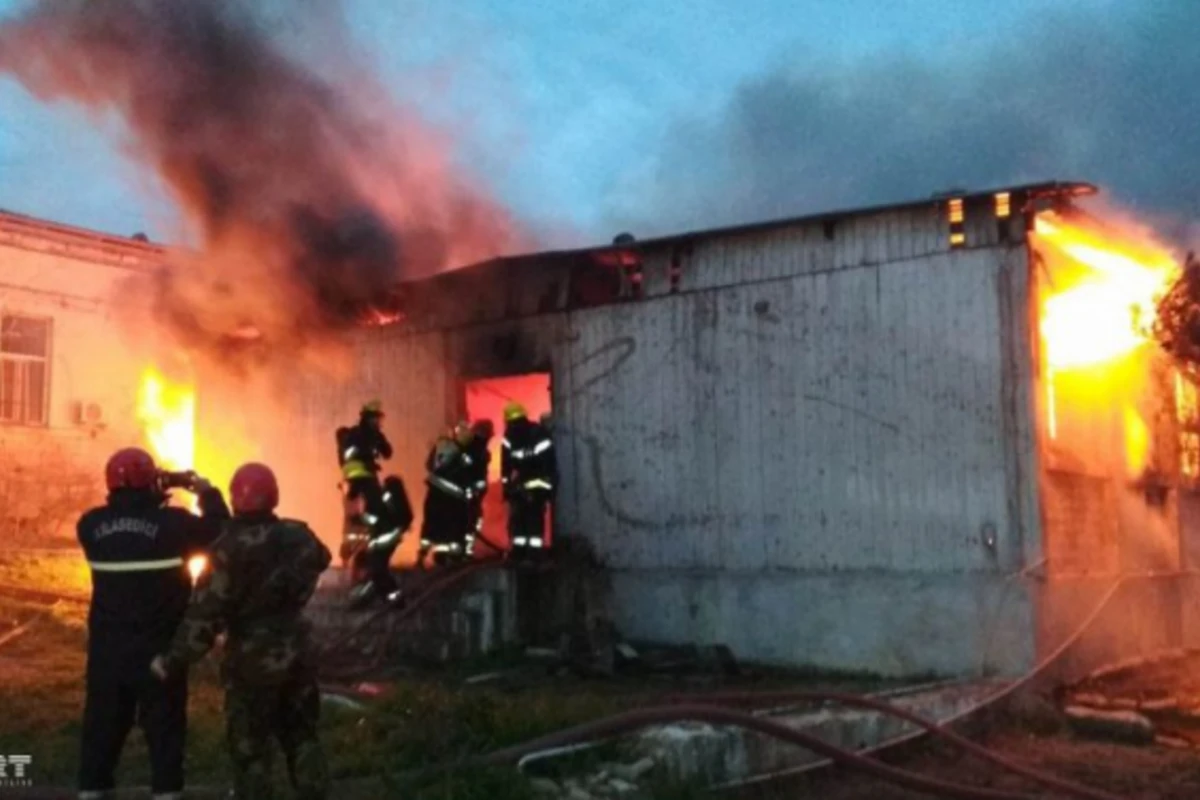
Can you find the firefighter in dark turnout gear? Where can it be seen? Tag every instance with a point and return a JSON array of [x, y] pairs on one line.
[[448, 498], [478, 460], [529, 473], [376, 557], [137, 548], [264, 571], [386, 511], [360, 448]]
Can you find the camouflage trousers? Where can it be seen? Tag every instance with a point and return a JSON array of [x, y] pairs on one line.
[[287, 712]]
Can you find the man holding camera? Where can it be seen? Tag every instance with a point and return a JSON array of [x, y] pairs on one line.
[[137, 547]]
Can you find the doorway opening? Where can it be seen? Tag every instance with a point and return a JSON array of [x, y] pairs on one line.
[[486, 398]]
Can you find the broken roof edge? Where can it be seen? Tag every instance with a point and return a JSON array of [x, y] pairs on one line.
[[1032, 190], [134, 253]]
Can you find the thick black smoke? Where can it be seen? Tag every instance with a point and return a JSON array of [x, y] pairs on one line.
[[307, 208], [1107, 98]]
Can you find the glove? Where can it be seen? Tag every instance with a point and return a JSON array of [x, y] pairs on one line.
[[158, 668]]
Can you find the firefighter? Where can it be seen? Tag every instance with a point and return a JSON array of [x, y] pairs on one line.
[[387, 511], [528, 473], [478, 458], [137, 548], [448, 497], [376, 557], [264, 570], [360, 448]]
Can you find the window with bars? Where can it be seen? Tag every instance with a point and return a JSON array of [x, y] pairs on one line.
[[24, 369]]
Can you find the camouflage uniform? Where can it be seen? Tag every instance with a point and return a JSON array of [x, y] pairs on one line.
[[264, 570]]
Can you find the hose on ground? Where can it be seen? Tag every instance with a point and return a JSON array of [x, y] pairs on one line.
[[762, 699], [986, 702], [855, 760], [715, 715]]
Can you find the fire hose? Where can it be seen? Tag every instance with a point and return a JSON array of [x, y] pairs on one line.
[[714, 715], [988, 701], [689, 710], [861, 761], [938, 730]]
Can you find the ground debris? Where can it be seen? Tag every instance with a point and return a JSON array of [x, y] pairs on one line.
[[1173, 742], [1167, 703], [1119, 725], [545, 786]]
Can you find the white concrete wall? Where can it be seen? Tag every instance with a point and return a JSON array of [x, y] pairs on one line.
[[49, 472]]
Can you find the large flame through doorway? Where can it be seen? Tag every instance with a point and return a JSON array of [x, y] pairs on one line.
[[1101, 288]]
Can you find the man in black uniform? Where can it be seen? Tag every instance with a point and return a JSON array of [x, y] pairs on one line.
[[448, 497], [387, 510], [377, 556], [528, 472], [137, 548], [478, 460], [360, 448]]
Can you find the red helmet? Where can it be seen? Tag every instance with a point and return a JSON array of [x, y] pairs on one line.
[[253, 489], [131, 468]]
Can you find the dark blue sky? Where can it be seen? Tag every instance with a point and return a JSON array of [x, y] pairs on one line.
[[660, 115]]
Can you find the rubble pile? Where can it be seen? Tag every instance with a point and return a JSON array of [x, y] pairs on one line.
[[1140, 702]]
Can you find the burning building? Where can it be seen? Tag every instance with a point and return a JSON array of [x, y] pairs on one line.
[[925, 437]]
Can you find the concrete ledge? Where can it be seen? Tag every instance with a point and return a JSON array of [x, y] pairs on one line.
[[728, 755]]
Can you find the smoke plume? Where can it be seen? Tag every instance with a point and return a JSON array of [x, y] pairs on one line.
[[308, 201], [1106, 95]]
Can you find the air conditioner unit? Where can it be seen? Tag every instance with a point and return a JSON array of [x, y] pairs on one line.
[[85, 413]]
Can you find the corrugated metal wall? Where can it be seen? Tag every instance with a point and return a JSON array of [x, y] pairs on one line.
[[851, 416]]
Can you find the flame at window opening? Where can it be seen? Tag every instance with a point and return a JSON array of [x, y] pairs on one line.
[[167, 413], [1106, 309]]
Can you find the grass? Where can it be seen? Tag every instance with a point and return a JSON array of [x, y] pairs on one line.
[[421, 722], [67, 573], [418, 724]]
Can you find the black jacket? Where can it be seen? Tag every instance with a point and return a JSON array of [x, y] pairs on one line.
[[448, 472], [138, 549], [478, 459], [527, 454], [364, 443]]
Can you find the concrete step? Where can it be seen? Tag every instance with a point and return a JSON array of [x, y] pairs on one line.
[[471, 617]]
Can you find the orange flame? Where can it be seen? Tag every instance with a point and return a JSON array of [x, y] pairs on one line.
[[1098, 308], [167, 414], [196, 566], [1105, 309]]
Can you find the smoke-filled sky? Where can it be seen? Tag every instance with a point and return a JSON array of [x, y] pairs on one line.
[[594, 116]]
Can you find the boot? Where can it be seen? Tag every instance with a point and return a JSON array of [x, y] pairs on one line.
[[362, 596]]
